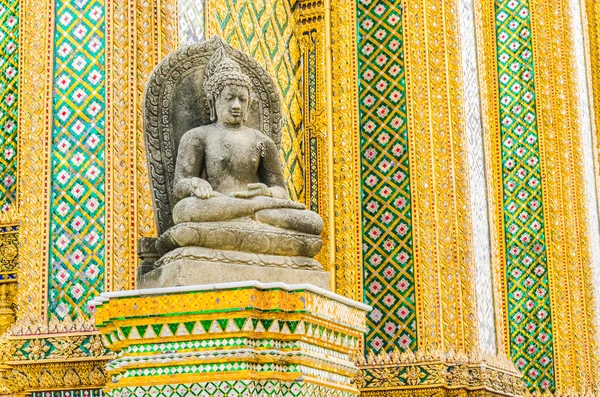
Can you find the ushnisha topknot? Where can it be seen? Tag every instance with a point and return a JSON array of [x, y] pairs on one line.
[[221, 71]]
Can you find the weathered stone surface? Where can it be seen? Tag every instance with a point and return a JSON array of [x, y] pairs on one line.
[[196, 265], [240, 236]]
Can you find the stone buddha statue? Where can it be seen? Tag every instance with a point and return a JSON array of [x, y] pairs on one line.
[[223, 213], [226, 171]]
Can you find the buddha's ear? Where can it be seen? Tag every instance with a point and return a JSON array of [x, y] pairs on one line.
[[211, 107]]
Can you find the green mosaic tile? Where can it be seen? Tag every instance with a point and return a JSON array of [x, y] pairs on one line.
[[76, 271], [9, 89], [389, 282], [530, 325]]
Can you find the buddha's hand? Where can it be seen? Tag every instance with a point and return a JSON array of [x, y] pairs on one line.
[[254, 190], [201, 188]]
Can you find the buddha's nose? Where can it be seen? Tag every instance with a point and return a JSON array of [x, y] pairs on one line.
[[236, 105]]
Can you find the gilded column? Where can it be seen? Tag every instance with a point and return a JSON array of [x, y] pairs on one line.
[[311, 32], [442, 221], [34, 120], [345, 150], [536, 132], [420, 169], [575, 333]]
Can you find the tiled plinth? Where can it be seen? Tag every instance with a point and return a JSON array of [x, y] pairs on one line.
[[241, 339]]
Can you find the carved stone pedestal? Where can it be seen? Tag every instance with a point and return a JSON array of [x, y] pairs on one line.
[[198, 265], [238, 339]]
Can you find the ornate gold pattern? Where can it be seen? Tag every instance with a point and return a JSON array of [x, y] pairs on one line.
[[48, 376], [345, 156], [145, 58], [120, 146], [406, 371], [439, 177], [34, 135], [310, 31], [8, 292], [576, 355], [139, 34]]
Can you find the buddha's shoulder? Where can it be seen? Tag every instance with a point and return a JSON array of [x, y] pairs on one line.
[[264, 138], [199, 133]]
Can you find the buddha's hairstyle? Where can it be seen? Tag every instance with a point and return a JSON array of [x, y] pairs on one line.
[[221, 71]]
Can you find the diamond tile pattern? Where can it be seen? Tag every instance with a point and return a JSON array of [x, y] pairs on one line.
[[530, 325], [265, 30], [387, 229], [236, 388], [191, 22], [77, 213], [9, 66]]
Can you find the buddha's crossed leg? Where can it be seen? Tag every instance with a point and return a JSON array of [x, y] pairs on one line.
[[281, 213]]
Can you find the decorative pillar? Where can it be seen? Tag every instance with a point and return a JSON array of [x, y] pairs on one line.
[[403, 109], [535, 129]]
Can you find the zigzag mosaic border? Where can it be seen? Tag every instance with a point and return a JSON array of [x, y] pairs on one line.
[[76, 271], [9, 88], [530, 326], [389, 281]]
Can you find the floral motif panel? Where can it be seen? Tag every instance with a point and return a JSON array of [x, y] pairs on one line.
[[389, 281], [9, 65], [530, 327], [76, 271]]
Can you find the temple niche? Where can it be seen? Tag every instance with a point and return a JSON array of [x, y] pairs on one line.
[[220, 196], [299, 198]]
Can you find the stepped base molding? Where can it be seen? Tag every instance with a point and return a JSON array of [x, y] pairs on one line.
[[235, 339]]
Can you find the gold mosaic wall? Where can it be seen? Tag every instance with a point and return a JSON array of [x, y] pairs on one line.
[[140, 33]]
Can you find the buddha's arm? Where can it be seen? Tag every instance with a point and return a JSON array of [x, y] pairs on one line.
[[190, 157], [270, 171]]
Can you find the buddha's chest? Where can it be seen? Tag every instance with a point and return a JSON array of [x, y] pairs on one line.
[[238, 155]]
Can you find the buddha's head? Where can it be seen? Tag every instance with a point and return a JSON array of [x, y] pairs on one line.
[[228, 90]]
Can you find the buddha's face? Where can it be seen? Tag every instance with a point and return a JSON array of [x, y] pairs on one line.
[[232, 105]]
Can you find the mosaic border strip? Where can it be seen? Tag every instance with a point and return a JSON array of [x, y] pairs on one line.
[[76, 271], [389, 280], [69, 393], [528, 295], [9, 93]]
